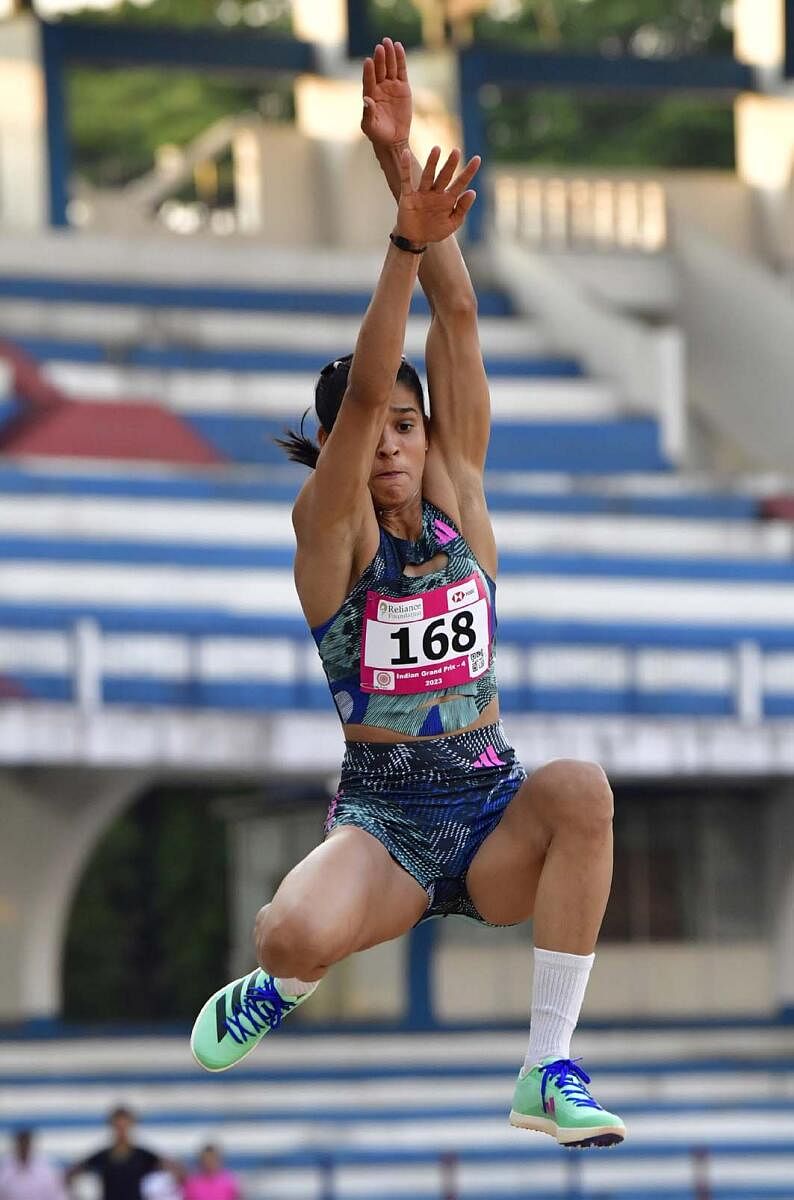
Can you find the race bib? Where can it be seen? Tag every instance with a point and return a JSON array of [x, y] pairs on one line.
[[423, 643]]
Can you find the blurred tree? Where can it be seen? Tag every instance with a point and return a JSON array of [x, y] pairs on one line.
[[676, 130], [271, 15], [646, 28], [576, 128], [148, 932], [105, 928], [118, 118]]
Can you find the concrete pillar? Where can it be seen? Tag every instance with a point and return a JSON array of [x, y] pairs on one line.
[[262, 850], [765, 161], [323, 22], [23, 159], [354, 206], [276, 182], [51, 820], [765, 125]]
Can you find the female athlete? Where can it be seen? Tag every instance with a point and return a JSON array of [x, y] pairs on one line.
[[395, 569]]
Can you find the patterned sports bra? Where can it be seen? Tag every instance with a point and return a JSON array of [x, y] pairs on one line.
[[399, 643]]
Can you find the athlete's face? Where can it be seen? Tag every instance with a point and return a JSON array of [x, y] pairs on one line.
[[399, 462]]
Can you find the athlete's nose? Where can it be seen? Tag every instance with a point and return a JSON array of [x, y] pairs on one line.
[[388, 444]]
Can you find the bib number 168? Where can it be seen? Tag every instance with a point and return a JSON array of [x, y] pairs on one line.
[[454, 632]]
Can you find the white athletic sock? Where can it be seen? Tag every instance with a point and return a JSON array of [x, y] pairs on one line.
[[294, 987], [558, 990]]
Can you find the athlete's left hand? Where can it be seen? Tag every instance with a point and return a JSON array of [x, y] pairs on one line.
[[435, 208], [388, 106]]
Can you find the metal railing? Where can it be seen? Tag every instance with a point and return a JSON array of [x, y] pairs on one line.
[[572, 1185], [745, 673], [577, 212]]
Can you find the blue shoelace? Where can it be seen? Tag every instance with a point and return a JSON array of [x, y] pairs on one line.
[[262, 1008], [571, 1081]]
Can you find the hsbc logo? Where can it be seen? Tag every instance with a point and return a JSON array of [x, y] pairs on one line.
[[465, 593]]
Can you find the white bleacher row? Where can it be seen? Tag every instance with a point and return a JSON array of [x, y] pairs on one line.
[[288, 394], [498, 1050], [440, 1102], [129, 325], [282, 660], [249, 524], [605, 1176], [271, 592], [438, 1135], [640, 483], [62, 254], [94, 1100]]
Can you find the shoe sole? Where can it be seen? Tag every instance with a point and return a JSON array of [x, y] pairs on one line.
[[572, 1139], [217, 1070]]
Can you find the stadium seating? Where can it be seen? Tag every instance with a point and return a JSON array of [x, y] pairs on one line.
[[371, 1115], [625, 587]]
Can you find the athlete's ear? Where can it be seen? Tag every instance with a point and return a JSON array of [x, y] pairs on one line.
[[322, 436]]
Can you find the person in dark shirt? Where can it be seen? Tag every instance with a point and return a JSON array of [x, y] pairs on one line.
[[121, 1166]]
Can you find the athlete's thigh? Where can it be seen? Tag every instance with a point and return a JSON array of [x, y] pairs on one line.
[[503, 877], [350, 893]]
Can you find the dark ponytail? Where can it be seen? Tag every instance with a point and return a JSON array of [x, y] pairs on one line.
[[298, 447]]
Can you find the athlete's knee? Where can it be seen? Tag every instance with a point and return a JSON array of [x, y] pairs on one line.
[[575, 795], [291, 941]]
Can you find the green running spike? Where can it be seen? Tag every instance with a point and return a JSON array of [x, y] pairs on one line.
[[553, 1098], [236, 1018]]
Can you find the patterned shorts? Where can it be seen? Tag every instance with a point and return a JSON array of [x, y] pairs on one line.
[[432, 804]]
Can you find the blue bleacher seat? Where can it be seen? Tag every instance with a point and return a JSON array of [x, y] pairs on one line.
[[712, 505], [581, 447], [372, 1114], [594, 445], [216, 296]]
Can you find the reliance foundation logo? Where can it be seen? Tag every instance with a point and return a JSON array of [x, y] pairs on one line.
[[397, 611]]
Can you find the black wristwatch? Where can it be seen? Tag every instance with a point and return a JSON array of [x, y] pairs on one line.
[[402, 243]]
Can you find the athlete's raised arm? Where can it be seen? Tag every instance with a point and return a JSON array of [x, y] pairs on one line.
[[460, 404], [428, 212]]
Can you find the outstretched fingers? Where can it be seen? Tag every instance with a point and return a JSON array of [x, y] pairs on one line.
[[465, 202], [379, 62], [390, 54], [461, 183], [402, 61], [444, 176], [458, 214], [427, 181], [368, 78]]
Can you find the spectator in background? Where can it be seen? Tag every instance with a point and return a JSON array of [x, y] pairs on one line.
[[27, 1176], [211, 1181], [121, 1166]]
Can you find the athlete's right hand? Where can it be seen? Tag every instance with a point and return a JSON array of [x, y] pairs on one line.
[[437, 207], [388, 106]]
